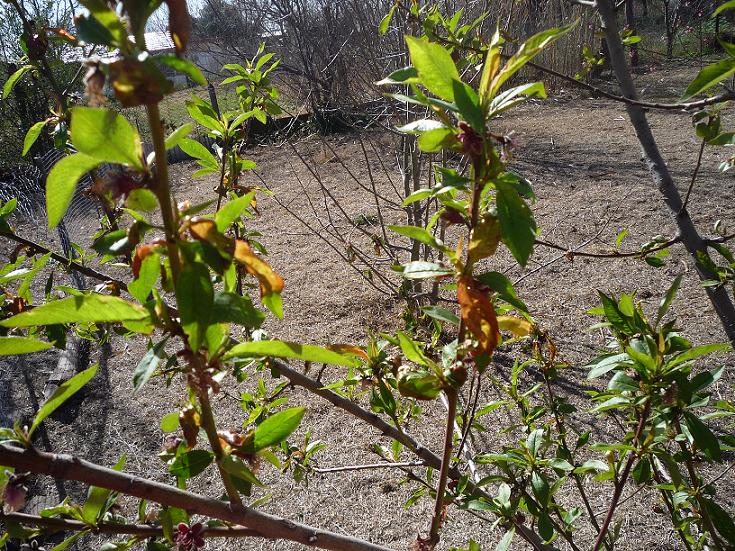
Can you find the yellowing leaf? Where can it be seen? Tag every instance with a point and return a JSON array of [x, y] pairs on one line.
[[206, 230], [270, 282], [519, 327], [478, 315], [485, 238], [349, 349]]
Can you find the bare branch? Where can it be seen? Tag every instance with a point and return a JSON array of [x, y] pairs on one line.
[[67, 467]]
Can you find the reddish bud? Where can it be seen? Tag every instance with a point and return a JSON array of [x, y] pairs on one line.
[[472, 142]]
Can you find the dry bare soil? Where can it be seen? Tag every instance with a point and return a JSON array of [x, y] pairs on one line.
[[583, 160]]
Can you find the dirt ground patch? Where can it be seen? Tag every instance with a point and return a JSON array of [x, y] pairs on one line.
[[583, 159]]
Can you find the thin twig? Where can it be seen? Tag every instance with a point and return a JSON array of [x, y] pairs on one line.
[[143, 530], [66, 467], [369, 466], [694, 175]]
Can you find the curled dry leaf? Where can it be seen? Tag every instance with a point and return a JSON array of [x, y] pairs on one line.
[[138, 82], [349, 349], [94, 85], [270, 281], [205, 229], [179, 24], [190, 422], [141, 252], [519, 327], [478, 315]]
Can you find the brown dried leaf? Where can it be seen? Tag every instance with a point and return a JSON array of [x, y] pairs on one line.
[[138, 82], [478, 315], [190, 422], [179, 24]]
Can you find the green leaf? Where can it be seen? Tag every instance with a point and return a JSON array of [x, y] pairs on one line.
[[441, 314], [419, 234], [506, 540], [15, 79], [592, 465], [142, 200], [274, 303], [601, 365], [510, 98], [205, 115], [534, 441], [194, 296], [170, 422], [424, 270], [32, 135], [276, 428], [62, 394], [407, 75], [148, 365], [721, 518], [540, 487], [703, 436], [697, 352], [198, 151], [545, 527], [109, 20], [86, 308], [723, 7], [385, 22], [525, 53], [469, 106], [150, 270], [667, 300], [68, 541], [283, 349], [517, 224], [232, 210], [179, 134], [11, 346], [623, 383], [61, 183], [237, 468], [189, 464], [411, 350], [436, 139], [709, 77], [183, 66], [502, 285], [106, 136], [435, 66], [94, 506], [233, 308]]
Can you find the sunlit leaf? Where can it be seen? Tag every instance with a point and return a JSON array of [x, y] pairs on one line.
[[276, 428], [435, 66], [61, 183], [65, 391], [11, 346], [106, 136], [709, 77], [283, 349], [85, 308], [32, 135]]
